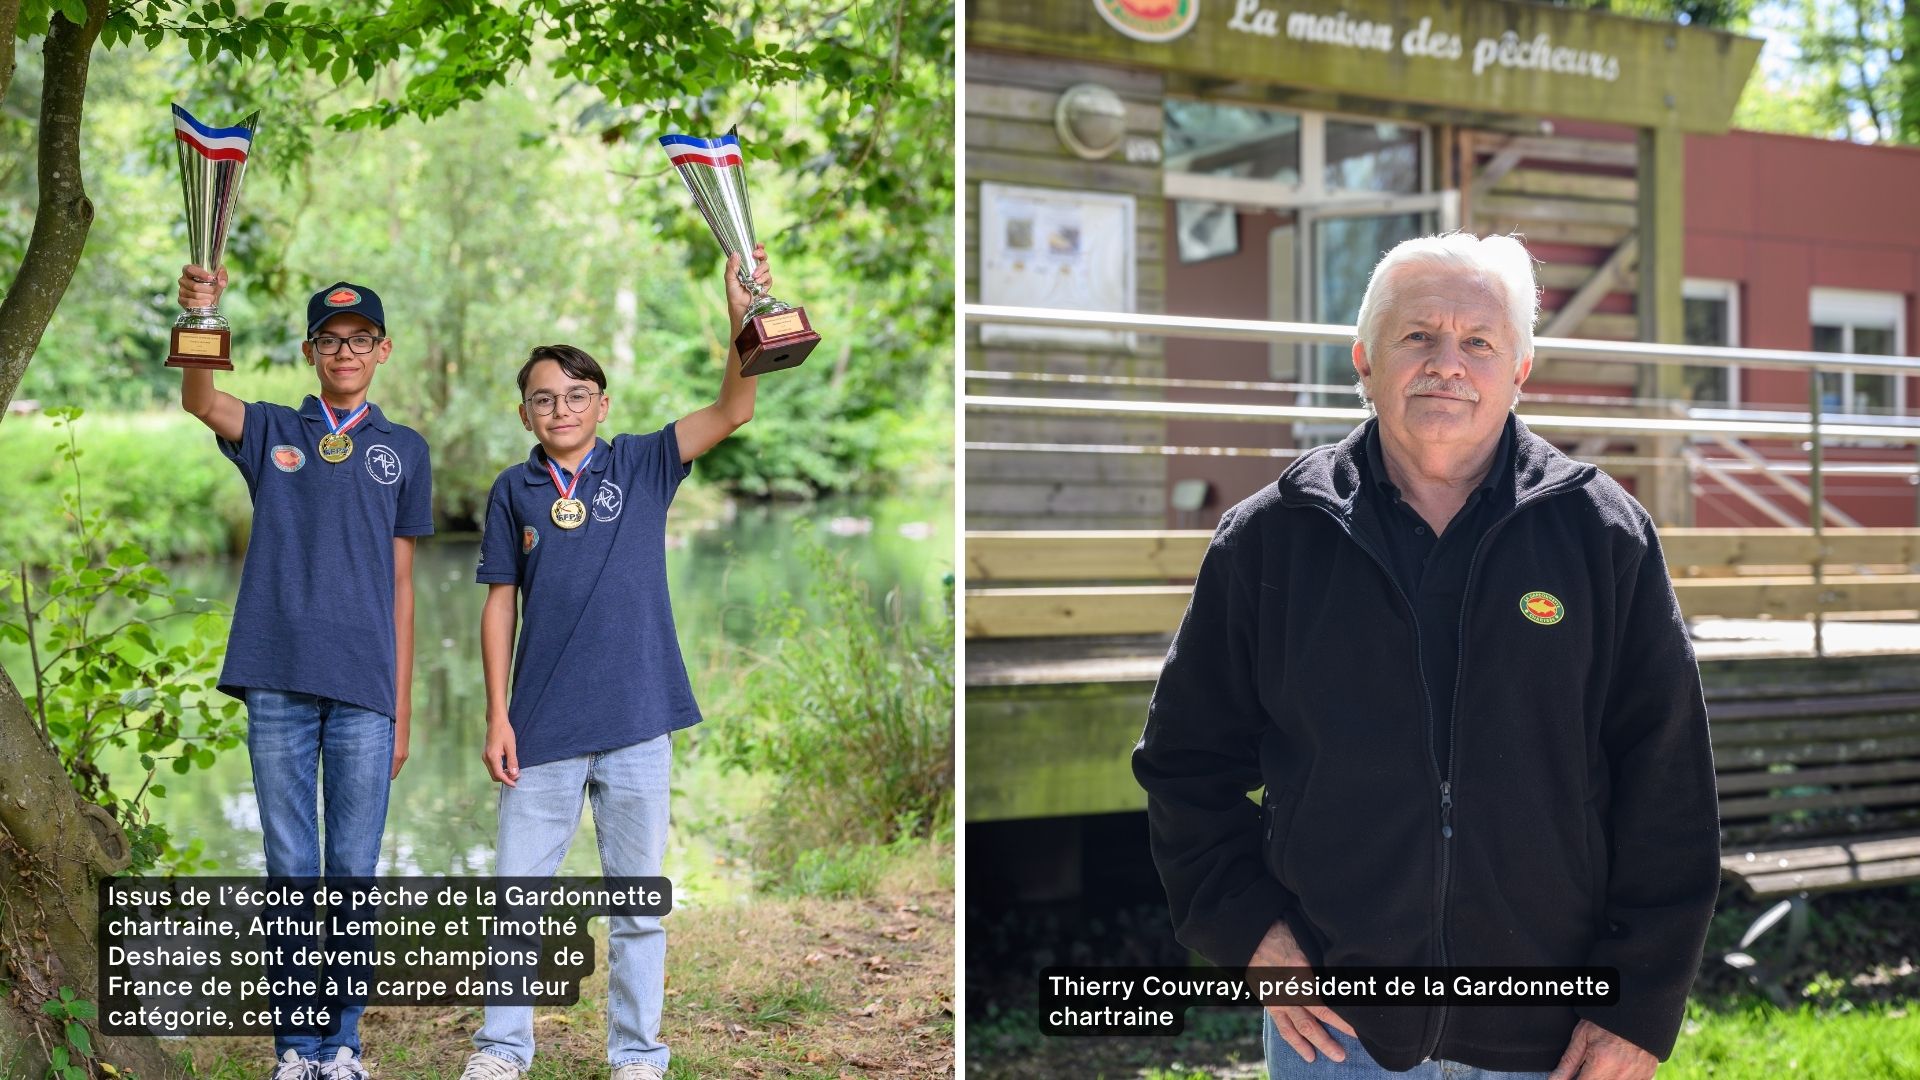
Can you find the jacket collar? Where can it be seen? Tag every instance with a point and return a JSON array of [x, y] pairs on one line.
[[1331, 476], [536, 470], [310, 409]]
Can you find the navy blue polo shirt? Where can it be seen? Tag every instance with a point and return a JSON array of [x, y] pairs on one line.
[[315, 611], [1433, 570], [598, 665]]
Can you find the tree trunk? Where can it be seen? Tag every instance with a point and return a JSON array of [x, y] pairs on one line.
[[54, 846], [65, 213], [54, 849]]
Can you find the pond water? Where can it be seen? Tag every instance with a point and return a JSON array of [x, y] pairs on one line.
[[441, 814]]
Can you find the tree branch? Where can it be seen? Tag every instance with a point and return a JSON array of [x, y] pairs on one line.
[[65, 214], [9, 42]]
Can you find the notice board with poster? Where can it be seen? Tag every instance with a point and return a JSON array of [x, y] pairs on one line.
[[1045, 247]]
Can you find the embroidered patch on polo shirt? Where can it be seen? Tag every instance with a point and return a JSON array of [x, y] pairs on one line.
[[607, 501], [1543, 608], [288, 458], [529, 539], [383, 464]]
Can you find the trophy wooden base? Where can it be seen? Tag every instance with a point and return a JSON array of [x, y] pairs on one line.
[[209, 349], [772, 342]]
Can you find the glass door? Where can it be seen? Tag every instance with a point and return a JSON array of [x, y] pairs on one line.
[[1338, 258]]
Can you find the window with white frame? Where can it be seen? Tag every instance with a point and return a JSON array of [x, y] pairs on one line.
[[1712, 317], [1864, 324]]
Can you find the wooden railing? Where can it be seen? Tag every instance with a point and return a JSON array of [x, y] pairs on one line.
[[1072, 584]]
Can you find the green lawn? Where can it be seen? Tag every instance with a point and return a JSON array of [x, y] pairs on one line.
[[1874, 1042]]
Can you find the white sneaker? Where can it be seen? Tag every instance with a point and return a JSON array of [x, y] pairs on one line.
[[292, 1066], [640, 1070], [344, 1066], [484, 1066]]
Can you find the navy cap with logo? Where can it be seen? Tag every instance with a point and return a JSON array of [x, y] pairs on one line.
[[343, 298]]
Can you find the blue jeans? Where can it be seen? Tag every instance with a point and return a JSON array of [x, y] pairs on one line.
[[297, 742], [538, 818], [1284, 1062]]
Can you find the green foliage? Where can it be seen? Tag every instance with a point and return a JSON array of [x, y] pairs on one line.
[[850, 708], [1842, 70], [70, 1059], [847, 870], [119, 659], [156, 477], [1724, 14], [538, 210]]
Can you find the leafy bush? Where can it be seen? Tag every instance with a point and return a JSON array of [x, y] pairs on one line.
[[849, 707], [117, 658], [154, 478]]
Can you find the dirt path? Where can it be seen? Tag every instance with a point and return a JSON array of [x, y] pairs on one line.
[[808, 989]]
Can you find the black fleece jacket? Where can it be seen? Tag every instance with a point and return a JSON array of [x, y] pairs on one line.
[[1583, 823]]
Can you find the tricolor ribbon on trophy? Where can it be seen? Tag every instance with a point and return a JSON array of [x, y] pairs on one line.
[[772, 335], [212, 163]]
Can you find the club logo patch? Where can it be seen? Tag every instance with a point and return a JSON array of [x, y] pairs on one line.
[[1150, 20], [1543, 608], [288, 458], [607, 502], [342, 297], [529, 539], [383, 464]]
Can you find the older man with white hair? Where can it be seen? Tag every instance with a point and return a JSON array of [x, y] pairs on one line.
[[1452, 657]]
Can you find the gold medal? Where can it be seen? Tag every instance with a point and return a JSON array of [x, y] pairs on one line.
[[569, 513], [336, 447]]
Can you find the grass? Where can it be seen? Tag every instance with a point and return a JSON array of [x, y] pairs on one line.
[[802, 988]]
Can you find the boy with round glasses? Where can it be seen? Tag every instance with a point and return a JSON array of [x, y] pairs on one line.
[[575, 547], [321, 648]]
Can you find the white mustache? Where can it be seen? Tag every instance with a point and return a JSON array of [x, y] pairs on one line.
[[1427, 384]]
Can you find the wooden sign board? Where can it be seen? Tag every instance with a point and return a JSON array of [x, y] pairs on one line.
[[1487, 55]]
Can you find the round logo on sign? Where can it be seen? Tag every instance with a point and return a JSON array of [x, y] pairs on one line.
[[1543, 608], [1150, 20], [288, 458]]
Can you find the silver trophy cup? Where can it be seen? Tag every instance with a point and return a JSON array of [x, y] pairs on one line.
[[211, 169], [772, 334]]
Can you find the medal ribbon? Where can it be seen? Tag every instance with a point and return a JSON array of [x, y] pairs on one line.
[[337, 426], [566, 490]]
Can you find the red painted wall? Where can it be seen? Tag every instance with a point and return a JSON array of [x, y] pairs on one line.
[[1782, 215]]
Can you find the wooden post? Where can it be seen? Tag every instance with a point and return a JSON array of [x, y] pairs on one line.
[[1816, 511], [1662, 240]]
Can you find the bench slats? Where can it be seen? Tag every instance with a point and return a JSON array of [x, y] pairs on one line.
[[1861, 862], [1779, 804], [1729, 759], [1737, 783]]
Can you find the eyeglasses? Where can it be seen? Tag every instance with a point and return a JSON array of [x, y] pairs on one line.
[[328, 344], [577, 401]]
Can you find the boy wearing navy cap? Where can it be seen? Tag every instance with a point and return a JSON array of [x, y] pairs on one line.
[[577, 535], [321, 648]]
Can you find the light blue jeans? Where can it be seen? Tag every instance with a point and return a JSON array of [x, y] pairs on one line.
[[1284, 1062], [301, 747], [538, 818]]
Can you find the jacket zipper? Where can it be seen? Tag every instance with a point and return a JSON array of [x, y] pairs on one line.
[[1453, 719]]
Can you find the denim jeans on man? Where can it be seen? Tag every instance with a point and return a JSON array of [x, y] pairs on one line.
[[538, 818], [1285, 1063], [302, 745]]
